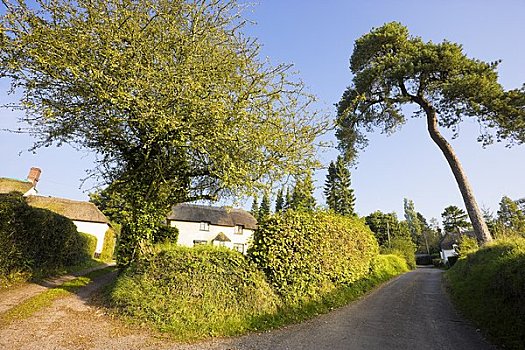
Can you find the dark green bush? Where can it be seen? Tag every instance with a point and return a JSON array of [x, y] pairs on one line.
[[489, 288], [36, 239], [306, 255], [166, 234], [194, 292]]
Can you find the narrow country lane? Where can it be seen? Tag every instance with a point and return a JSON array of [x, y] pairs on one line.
[[411, 312]]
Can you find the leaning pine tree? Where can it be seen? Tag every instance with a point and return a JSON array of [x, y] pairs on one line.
[[392, 69]]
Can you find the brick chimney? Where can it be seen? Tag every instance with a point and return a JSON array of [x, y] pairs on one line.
[[34, 175]]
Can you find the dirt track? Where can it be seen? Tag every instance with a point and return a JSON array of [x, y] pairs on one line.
[[410, 312]]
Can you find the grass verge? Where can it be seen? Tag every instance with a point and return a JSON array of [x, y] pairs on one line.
[[45, 299], [488, 286]]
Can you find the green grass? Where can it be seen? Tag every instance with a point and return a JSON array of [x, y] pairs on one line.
[[184, 303], [488, 286], [36, 303]]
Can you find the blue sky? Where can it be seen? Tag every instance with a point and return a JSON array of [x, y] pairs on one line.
[[317, 37]]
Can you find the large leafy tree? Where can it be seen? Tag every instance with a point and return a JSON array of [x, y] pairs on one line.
[[392, 69], [339, 195], [415, 224], [510, 216], [386, 226], [455, 219], [169, 94]]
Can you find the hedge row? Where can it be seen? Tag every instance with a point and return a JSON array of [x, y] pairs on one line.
[[305, 255], [36, 239], [194, 292], [488, 285]]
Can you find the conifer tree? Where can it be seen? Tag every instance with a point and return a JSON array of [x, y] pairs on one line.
[[339, 196], [255, 207], [303, 194], [287, 199], [264, 209], [279, 201]]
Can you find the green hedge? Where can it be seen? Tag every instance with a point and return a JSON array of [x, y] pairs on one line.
[[404, 248], [90, 243], [306, 255], [35, 239], [489, 287], [194, 292], [108, 248]]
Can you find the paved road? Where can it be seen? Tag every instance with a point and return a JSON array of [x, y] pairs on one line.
[[410, 312]]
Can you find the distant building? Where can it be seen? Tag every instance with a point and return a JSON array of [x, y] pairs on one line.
[[220, 226]]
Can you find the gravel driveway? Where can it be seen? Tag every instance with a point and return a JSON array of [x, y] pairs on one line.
[[410, 312]]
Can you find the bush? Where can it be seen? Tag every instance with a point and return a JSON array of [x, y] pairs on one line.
[[36, 239], [166, 234], [403, 247], [108, 247], [467, 245], [89, 244], [306, 255], [194, 292], [385, 267], [488, 286]]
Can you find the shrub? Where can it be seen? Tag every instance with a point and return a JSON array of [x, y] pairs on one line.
[[194, 292], [88, 244], [385, 267], [305, 255], [488, 286], [108, 247], [466, 246], [166, 234], [36, 239], [403, 247]]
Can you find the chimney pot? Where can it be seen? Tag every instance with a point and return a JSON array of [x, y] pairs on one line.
[[34, 175]]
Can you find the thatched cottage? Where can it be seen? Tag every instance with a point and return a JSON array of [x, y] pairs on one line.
[[199, 224]]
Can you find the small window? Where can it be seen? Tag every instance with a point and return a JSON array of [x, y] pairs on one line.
[[239, 247], [205, 226], [239, 229], [199, 242]]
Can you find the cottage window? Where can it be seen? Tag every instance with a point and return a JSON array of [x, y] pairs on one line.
[[239, 229], [239, 247], [205, 226], [199, 242]]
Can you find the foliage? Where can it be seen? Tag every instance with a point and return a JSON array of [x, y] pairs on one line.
[[255, 207], [108, 248], [307, 254], [91, 243], [414, 224], [488, 288], [339, 196], [35, 239], [454, 219], [156, 89], [387, 266], [194, 292], [510, 216], [264, 209], [392, 69], [302, 197], [279, 201], [466, 246], [404, 248], [385, 224]]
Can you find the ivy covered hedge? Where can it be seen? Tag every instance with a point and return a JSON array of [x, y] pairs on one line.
[[306, 255], [194, 292], [36, 239]]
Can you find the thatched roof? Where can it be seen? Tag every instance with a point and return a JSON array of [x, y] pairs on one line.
[[13, 185], [74, 210], [214, 215], [221, 237]]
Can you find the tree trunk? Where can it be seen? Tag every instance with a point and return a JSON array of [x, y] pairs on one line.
[[478, 223]]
